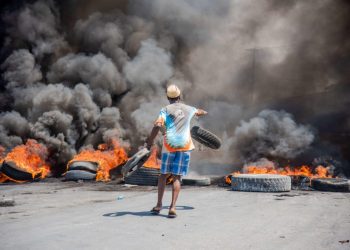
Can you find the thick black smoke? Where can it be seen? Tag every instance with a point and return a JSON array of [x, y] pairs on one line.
[[271, 134], [77, 73]]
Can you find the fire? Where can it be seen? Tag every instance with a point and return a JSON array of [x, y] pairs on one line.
[[3, 177], [31, 158], [318, 172], [228, 179], [107, 156], [153, 161], [2, 154]]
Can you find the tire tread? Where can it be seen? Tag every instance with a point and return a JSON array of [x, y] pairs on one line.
[[205, 137], [261, 183]]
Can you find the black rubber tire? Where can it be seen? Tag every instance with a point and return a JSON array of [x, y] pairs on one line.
[[135, 162], [205, 137], [84, 165], [261, 183], [144, 177], [196, 181], [75, 175], [331, 184], [11, 170]]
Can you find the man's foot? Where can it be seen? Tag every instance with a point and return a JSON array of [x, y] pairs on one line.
[[156, 209], [172, 213]]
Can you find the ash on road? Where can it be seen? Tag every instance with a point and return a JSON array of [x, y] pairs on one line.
[[62, 215]]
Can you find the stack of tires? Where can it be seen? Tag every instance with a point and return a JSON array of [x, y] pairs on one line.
[[143, 176], [134, 173], [81, 170]]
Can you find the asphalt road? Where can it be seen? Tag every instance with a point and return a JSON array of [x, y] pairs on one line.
[[57, 215]]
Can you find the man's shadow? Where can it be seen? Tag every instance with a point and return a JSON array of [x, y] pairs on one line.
[[145, 213]]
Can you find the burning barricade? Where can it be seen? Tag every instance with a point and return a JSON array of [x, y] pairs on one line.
[[295, 172], [26, 162], [143, 168], [92, 164], [146, 172], [265, 176]]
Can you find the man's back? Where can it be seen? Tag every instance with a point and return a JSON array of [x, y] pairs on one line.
[[176, 118]]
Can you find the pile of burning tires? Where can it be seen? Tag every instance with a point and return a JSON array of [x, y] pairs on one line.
[[136, 174], [81, 170], [283, 183], [17, 174]]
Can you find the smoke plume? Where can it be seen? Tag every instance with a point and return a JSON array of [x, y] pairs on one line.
[[271, 134], [97, 71], [37, 24], [20, 69]]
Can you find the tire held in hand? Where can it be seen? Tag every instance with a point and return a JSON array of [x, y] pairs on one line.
[[205, 137]]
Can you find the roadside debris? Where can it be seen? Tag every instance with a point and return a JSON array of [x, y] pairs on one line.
[[7, 202], [199, 181], [129, 185]]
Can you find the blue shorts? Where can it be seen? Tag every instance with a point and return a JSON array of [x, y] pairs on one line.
[[176, 163]]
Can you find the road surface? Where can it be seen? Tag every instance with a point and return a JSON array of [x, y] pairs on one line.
[[68, 215]]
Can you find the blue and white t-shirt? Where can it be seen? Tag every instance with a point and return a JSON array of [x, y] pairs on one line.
[[176, 119]]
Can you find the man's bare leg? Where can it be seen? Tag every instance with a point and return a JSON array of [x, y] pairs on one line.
[[161, 187], [175, 192]]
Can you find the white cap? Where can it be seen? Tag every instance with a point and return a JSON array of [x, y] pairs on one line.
[[173, 91]]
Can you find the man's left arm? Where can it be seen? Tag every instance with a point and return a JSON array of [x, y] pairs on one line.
[[155, 130], [153, 135]]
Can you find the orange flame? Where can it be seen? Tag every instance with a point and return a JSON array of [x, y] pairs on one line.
[[2, 154], [31, 158], [107, 156], [3, 177], [319, 172], [153, 161]]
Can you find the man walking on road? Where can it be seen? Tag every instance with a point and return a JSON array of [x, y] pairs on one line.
[[177, 144]]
